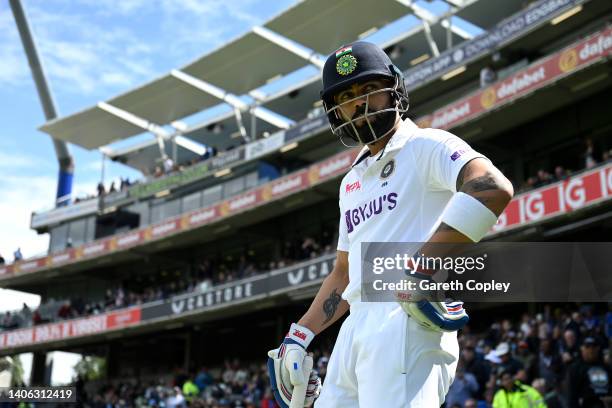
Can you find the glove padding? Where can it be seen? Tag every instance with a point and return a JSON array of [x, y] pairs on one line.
[[290, 370], [292, 376], [446, 316]]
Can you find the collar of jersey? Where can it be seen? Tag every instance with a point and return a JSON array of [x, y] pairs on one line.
[[397, 141]]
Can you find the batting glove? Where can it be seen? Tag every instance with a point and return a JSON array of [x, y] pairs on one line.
[[290, 369], [446, 316]]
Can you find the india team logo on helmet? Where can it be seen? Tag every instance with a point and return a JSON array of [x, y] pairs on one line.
[[346, 63]]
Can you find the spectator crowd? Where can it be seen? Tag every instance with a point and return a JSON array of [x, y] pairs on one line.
[[202, 275], [558, 358]]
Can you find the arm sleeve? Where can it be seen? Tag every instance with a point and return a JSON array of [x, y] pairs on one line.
[[446, 159], [343, 240]]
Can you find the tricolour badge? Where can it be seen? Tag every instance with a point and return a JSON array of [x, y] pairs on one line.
[[346, 64]]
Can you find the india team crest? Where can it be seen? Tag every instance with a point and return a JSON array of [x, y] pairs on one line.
[[346, 64], [387, 169]]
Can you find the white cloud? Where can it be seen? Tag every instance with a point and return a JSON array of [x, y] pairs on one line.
[[16, 206]]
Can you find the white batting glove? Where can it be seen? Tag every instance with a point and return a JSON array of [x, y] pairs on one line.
[[290, 370]]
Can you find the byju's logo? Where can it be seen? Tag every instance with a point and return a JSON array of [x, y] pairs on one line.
[[362, 213]]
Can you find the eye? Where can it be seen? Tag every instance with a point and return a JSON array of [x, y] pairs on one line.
[[345, 96]]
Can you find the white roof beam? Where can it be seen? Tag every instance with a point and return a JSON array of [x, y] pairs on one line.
[[190, 145], [133, 119], [235, 102], [303, 52], [427, 16]]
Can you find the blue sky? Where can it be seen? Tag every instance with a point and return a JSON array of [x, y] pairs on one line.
[[92, 50]]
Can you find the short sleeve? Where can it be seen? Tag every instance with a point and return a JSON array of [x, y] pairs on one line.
[[343, 240], [446, 159]]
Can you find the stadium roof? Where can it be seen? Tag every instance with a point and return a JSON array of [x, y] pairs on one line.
[[235, 68], [300, 36]]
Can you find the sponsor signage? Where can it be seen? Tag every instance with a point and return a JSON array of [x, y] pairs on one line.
[[579, 191], [307, 127], [227, 157], [263, 146], [268, 284], [507, 30], [59, 214], [70, 328], [539, 74]]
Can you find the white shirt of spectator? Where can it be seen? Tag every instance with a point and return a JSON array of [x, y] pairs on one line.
[[398, 195], [168, 165]]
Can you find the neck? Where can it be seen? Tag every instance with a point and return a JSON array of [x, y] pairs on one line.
[[378, 145]]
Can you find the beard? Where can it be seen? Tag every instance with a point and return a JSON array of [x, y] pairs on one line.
[[380, 122]]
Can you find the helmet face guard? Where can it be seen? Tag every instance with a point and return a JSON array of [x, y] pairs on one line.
[[377, 123]]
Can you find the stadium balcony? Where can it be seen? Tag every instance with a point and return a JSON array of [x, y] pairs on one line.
[[485, 112], [527, 32]]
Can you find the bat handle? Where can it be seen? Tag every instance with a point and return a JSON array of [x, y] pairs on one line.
[[298, 397]]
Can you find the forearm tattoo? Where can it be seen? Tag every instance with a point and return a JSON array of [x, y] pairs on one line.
[[331, 305]]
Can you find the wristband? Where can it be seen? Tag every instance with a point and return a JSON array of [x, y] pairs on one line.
[[300, 335]]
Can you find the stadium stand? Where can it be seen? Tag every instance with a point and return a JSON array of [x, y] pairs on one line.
[[235, 237]]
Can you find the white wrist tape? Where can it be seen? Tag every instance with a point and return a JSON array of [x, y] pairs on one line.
[[300, 334], [468, 216]]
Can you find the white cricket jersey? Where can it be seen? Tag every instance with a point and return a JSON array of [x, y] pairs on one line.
[[398, 195]]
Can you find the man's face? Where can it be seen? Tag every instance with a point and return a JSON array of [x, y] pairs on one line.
[[357, 105], [506, 381], [589, 352]]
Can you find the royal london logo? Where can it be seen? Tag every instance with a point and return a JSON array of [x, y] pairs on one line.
[[364, 212]]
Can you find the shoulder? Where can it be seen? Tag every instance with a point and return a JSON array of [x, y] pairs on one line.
[[426, 142]]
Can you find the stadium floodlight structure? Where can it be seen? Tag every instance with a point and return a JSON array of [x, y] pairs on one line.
[[64, 158]]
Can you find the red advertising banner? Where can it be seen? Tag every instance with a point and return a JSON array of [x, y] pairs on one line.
[[547, 70], [575, 193], [70, 328]]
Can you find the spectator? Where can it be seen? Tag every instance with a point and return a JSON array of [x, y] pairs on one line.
[[475, 365], [560, 173], [514, 394], [487, 77], [543, 178], [168, 165], [589, 154], [26, 313], [569, 347], [463, 387], [177, 400], [18, 255], [2, 260], [65, 311], [112, 188], [548, 364], [101, 190], [158, 172], [190, 389], [507, 362], [588, 379]]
